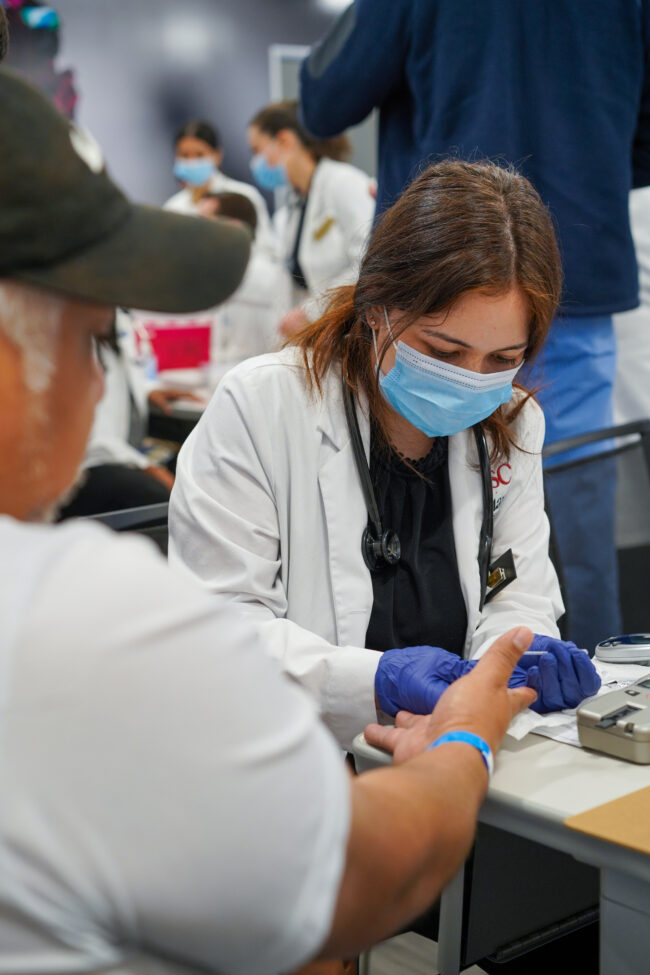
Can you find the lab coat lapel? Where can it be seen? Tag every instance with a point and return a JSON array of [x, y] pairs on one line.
[[346, 517], [466, 502]]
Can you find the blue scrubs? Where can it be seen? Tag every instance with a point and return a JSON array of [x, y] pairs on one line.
[[574, 380]]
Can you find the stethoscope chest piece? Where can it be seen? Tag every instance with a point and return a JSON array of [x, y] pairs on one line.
[[385, 550]]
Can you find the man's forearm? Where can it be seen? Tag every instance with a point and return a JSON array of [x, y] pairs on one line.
[[412, 828]]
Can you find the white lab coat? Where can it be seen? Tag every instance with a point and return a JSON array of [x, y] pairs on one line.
[[338, 219], [265, 240], [268, 509], [125, 391], [631, 388], [247, 323]]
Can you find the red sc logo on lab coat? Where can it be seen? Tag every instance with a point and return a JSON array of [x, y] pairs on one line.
[[502, 476]]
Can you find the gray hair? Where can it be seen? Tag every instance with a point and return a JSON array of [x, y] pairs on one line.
[[30, 317]]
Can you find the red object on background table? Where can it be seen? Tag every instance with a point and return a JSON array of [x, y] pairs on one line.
[[180, 346]]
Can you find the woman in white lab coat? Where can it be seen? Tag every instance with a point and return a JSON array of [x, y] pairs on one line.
[[197, 167], [457, 289], [247, 323], [324, 225]]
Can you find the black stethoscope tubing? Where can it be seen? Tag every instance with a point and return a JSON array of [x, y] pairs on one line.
[[381, 545]]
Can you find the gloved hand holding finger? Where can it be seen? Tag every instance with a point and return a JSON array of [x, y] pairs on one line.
[[588, 676], [414, 678], [569, 683], [561, 673]]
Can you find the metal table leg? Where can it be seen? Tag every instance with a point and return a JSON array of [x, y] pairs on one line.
[[451, 925]]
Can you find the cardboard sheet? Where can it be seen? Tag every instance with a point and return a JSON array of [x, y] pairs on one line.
[[625, 821]]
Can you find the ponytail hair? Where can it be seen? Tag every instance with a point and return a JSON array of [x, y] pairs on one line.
[[283, 115]]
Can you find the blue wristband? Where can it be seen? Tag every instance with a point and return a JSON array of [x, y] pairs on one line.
[[467, 738]]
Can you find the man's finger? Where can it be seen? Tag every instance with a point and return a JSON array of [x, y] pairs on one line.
[[404, 719], [521, 698], [382, 736], [499, 661]]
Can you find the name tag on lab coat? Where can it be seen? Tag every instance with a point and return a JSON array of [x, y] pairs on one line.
[[320, 232]]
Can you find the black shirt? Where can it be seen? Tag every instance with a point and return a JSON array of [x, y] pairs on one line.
[[419, 600]]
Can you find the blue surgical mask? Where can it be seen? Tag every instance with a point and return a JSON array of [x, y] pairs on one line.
[[266, 176], [195, 172], [438, 398]]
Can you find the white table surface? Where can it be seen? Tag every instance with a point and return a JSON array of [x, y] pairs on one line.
[[548, 777]]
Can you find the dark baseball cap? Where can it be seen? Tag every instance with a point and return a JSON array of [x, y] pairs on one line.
[[66, 226]]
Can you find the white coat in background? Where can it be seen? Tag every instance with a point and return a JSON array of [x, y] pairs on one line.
[[266, 242], [268, 510], [338, 219], [247, 323], [632, 385], [125, 394]]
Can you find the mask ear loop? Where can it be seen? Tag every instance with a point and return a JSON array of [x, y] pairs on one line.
[[374, 337]]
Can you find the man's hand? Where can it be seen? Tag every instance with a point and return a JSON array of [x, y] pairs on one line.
[[415, 678], [480, 702]]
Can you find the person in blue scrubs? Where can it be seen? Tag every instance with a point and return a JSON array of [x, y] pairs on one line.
[[562, 92]]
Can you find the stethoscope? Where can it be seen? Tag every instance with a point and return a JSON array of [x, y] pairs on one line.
[[381, 547]]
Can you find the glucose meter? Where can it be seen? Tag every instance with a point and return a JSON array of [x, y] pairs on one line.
[[618, 723], [631, 648]]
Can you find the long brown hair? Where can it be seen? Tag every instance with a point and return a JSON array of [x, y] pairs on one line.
[[284, 115], [459, 227]]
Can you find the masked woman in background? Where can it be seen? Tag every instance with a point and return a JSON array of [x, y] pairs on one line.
[[324, 224], [197, 166], [394, 417]]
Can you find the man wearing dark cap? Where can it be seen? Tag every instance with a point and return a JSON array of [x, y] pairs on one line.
[[169, 802]]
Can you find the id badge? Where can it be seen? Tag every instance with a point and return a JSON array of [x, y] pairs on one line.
[[502, 573]]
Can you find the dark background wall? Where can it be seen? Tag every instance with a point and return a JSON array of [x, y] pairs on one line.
[[144, 67]]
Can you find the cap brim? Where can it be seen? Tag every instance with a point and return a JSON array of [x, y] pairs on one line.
[[154, 260]]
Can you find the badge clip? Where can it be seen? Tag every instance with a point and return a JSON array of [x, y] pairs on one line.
[[502, 572], [324, 227]]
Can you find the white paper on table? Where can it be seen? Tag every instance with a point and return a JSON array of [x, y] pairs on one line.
[[562, 725]]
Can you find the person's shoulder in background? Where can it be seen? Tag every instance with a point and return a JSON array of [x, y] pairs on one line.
[[180, 202]]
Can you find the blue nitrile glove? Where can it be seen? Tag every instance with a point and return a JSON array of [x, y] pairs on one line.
[[563, 675], [414, 678]]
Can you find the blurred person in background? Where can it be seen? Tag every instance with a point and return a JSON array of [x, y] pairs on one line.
[[247, 324], [492, 78], [632, 387], [35, 37], [197, 166], [117, 471], [324, 225]]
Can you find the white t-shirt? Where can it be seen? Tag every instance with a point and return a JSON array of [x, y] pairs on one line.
[[169, 801]]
